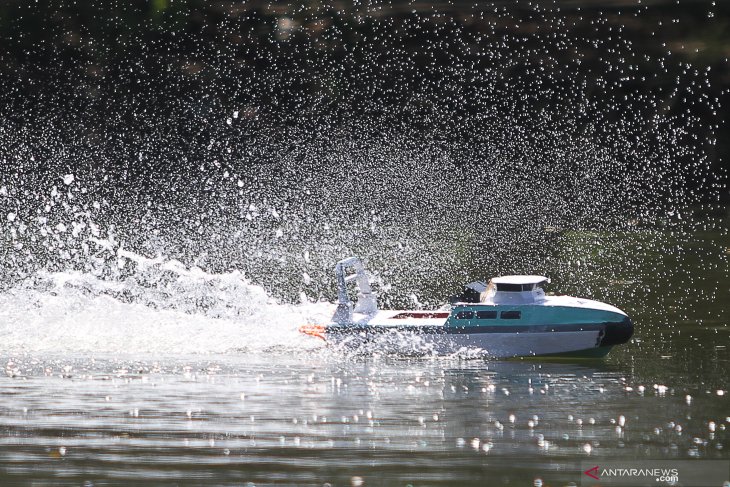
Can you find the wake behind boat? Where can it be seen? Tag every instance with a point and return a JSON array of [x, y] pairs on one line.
[[510, 316]]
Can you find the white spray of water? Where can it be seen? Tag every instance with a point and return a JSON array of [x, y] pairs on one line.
[[161, 307]]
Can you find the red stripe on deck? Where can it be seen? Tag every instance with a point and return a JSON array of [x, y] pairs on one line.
[[420, 316]]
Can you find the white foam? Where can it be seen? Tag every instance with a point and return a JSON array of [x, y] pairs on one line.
[[162, 307]]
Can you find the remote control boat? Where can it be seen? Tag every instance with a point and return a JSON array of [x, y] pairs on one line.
[[510, 316]]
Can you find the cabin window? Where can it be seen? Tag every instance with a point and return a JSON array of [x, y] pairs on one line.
[[464, 315], [511, 315], [510, 288], [515, 288], [486, 315]]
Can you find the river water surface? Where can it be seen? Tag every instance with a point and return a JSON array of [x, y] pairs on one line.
[[99, 388]]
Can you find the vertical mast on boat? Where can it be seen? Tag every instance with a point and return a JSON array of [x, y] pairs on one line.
[[366, 302]]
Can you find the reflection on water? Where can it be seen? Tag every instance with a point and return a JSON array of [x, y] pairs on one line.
[[328, 418]]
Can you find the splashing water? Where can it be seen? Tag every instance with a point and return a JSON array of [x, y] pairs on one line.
[[160, 306], [441, 146]]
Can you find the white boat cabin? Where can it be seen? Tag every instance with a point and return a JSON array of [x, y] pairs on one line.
[[515, 290]]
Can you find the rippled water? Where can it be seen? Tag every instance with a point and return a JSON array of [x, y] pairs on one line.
[[320, 418], [101, 386]]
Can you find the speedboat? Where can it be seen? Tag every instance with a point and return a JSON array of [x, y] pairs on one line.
[[510, 316]]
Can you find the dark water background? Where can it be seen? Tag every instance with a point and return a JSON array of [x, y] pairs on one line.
[[244, 144], [356, 123]]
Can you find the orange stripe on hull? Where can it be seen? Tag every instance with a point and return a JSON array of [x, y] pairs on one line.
[[313, 330]]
